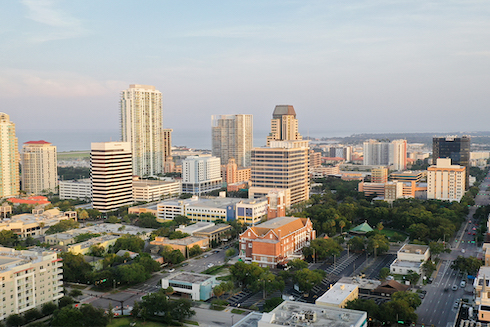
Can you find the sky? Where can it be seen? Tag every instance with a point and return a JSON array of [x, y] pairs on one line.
[[346, 66]]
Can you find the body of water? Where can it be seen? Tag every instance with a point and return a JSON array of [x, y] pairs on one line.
[[80, 140]]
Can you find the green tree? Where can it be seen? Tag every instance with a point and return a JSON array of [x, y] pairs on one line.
[[469, 265], [8, 238], [428, 268], [356, 243], [272, 303], [195, 250], [112, 220], [15, 320], [65, 301], [128, 242], [147, 262], [307, 279], [437, 248], [148, 220], [322, 248], [75, 292], [378, 244], [218, 291], [48, 308], [33, 314], [384, 272], [75, 268], [181, 220], [62, 226], [368, 306], [132, 274], [83, 214], [411, 298], [177, 235], [297, 264], [172, 256]]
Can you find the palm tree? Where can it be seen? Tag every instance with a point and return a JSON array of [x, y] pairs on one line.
[[341, 225]]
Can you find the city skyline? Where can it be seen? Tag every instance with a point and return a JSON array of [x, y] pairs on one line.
[[363, 65]]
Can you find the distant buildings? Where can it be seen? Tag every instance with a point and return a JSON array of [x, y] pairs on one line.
[[29, 279], [446, 181], [379, 175], [232, 174], [142, 127], [39, 169], [276, 240], [111, 175], [455, 148], [9, 158], [384, 153], [232, 138], [201, 174]]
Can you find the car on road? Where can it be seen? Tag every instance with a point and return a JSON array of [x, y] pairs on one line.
[[462, 284], [474, 228], [456, 304], [454, 287], [171, 270], [205, 256], [469, 233], [185, 264], [210, 264]]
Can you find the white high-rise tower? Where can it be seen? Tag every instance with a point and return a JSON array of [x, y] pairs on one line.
[[9, 158], [39, 167], [142, 127], [232, 138]]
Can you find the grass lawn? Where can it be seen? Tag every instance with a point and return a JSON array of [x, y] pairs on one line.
[[389, 232], [78, 287], [73, 155], [214, 270], [125, 322], [237, 311]]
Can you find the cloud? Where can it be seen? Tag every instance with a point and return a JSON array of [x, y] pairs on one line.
[[18, 82], [60, 24]]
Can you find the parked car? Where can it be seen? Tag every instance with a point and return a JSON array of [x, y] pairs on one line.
[[454, 287], [210, 264], [171, 270], [462, 284], [456, 304]]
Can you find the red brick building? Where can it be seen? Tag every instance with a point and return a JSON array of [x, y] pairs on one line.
[[276, 241]]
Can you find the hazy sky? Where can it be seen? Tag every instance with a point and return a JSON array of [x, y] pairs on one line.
[[344, 65]]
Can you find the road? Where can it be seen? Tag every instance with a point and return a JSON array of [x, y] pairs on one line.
[[437, 307]]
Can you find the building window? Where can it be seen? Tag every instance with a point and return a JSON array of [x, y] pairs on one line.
[[250, 245]]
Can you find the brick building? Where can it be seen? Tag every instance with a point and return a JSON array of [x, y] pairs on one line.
[[276, 241]]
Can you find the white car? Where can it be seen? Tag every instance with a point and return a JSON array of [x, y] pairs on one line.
[[210, 265], [171, 270], [463, 284]]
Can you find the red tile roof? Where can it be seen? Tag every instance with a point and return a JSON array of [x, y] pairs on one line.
[[37, 142], [30, 200]]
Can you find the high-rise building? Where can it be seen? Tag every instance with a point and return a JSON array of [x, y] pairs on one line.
[[9, 158], [111, 175], [282, 165], [167, 143], [142, 127], [201, 174], [232, 138], [284, 125], [456, 148], [39, 167], [379, 175], [445, 181], [382, 153]]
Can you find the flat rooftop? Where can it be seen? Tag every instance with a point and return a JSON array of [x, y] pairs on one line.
[[10, 259], [406, 264], [210, 202], [337, 294], [143, 183], [414, 248], [184, 241], [189, 277], [362, 283], [277, 222], [306, 314], [195, 227]]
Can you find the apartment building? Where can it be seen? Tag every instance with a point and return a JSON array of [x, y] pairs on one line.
[[446, 181], [276, 241], [39, 167], [29, 279], [9, 157], [232, 174], [482, 293], [201, 174], [379, 175], [155, 190]]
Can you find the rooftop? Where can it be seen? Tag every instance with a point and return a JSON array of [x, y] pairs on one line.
[[37, 142], [306, 314], [143, 183], [362, 283], [281, 110], [337, 294], [10, 259], [414, 248], [406, 264], [189, 277]]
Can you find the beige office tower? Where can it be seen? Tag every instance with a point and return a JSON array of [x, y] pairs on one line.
[[111, 175], [232, 138], [282, 165], [142, 127], [39, 167], [9, 156], [284, 125]]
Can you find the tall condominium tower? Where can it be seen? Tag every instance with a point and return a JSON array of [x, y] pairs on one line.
[[284, 125], [9, 158], [201, 174], [456, 148], [111, 175], [232, 138], [142, 127], [393, 154], [39, 167]]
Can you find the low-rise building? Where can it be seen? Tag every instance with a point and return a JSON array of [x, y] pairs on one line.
[[290, 313], [211, 209], [182, 244], [275, 241], [155, 190], [482, 293], [29, 278], [338, 295], [35, 224], [84, 247], [145, 208], [76, 189], [197, 287], [38, 201], [208, 230], [409, 258]]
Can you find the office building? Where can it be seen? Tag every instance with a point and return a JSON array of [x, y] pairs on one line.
[[276, 241], [39, 167], [9, 157], [198, 287], [410, 258], [455, 148], [383, 153], [379, 175], [338, 295], [232, 138], [201, 174], [29, 278], [111, 175], [284, 125], [446, 181], [142, 128], [232, 174], [282, 165], [155, 190], [76, 189]]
